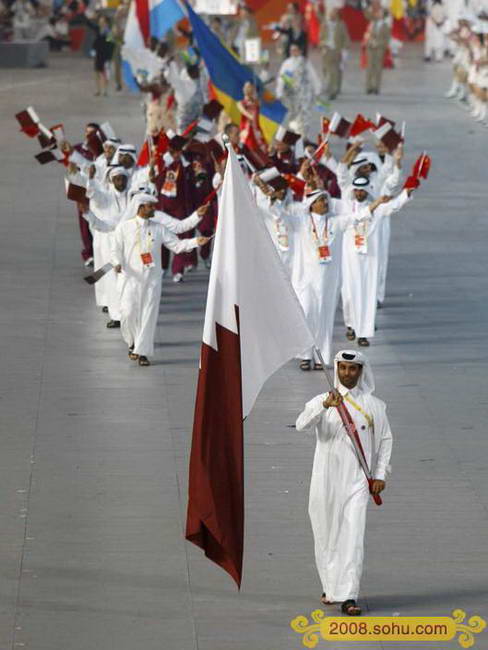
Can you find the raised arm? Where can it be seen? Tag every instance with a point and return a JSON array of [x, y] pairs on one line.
[[312, 413], [177, 226], [176, 245], [95, 191], [96, 223]]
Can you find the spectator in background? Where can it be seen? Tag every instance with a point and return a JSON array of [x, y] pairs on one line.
[[118, 28], [104, 49], [291, 31]]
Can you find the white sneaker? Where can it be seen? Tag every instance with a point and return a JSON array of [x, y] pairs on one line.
[[178, 277], [452, 92], [482, 114]]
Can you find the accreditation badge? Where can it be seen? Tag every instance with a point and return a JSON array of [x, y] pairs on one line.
[[147, 260], [169, 188], [324, 254], [361, 243]]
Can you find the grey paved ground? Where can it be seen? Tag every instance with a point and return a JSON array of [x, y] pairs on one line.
[[93, 462]]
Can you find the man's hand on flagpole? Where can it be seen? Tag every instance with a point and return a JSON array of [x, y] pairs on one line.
[[201, 241], [377, 486], [202, 210], [334, 398]]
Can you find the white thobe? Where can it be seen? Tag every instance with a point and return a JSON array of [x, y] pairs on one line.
[[435, 38], [360, 270], [101, 166], [384, 233], [339, 491], [108, 205], [274, 219], [140, 285], [385, 181], [317, 284]]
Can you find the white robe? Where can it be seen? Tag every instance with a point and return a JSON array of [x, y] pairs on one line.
[[360, 271], [339, 491], [435, 38], [140, 286], [384, 232], [108, 205], [275, 222], [317, 284], [385, 181]]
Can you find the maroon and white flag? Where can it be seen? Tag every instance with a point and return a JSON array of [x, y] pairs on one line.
[[253, 325]]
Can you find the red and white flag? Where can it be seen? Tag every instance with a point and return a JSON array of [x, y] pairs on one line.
[[253, 325]]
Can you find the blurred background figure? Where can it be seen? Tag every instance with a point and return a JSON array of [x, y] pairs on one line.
[[334, 41], [435, 39]]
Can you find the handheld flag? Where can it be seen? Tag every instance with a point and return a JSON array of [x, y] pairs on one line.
[[253, 325]]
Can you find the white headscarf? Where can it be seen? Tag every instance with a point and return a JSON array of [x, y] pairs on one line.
[[117, 171], [367, 158], [361, 183], [128, 149], [366, 381], [312, 197], [141, 199]]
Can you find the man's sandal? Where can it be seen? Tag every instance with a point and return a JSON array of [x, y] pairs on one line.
[[351, 608], [324, 601], [132, 356], [318, 366], [144, 361], [305, 364]]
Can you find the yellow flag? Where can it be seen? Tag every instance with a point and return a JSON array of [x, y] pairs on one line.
[[397, 9]]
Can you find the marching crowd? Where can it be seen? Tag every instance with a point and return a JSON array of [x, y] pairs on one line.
[[326, 201], [327, 205]]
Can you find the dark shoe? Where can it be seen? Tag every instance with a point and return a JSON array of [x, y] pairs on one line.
[[363, 342], [350, 334], [305, 364], [144, 361], [105, 310], [113, 324], [351, 608], [379, 304]]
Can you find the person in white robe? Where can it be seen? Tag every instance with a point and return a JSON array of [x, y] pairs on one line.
[[126, 156], [360, 259], [273, 201], [136, 256], [387, 167], [339, 490], [107, 203], [316, 225], [384, 178], [384, 173], [104, 160], [435, 38], [189, 93], [298, 86]]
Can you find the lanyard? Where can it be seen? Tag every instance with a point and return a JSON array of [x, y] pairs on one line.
[[368, 417], [325, 236], [148, 242]]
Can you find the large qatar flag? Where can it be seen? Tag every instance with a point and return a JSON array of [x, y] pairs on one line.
[[253, 325]]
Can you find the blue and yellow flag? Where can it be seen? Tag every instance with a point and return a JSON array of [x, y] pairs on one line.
[[228, 77]]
